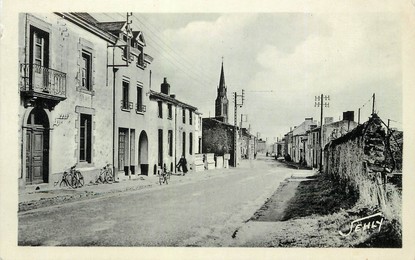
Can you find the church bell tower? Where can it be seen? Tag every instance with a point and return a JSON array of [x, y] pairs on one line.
[[221, 103]]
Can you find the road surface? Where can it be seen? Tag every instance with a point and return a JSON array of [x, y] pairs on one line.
[[206, 212]]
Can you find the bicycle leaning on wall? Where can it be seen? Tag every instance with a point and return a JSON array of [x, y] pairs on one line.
[[105, 175], [73, 178]]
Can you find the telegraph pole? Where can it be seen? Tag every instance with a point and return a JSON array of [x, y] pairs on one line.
[[321, 101], [235, 122], [373, 104]]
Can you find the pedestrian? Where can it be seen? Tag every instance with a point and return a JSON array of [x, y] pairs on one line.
[[182, 164]]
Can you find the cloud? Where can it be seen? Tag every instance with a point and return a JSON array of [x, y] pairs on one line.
[[296, 55]]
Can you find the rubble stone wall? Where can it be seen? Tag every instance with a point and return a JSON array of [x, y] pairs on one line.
[[358, 162]]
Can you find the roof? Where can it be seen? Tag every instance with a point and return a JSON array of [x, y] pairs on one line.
[[212, 119], [154, 94], [111, 26], [87, 17]]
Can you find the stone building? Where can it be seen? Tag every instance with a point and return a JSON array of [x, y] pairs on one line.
[[177, 128], [128, 65], [65, 97], [331, 130], [218, 138]]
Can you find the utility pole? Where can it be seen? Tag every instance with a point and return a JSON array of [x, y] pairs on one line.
[[235, 122], [358, 117], [373, 104], [321, 101]]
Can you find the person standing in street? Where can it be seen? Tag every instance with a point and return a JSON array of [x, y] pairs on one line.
[[182, 164]]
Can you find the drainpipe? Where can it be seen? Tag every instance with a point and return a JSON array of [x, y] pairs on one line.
[[114, 70], [175, 138]]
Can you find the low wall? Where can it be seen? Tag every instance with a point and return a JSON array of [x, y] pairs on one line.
[[358, 161]]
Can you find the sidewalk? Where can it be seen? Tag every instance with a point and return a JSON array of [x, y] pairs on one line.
[[29, 200]]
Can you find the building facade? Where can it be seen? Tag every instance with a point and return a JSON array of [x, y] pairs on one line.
[[64, 97], [177, 128]]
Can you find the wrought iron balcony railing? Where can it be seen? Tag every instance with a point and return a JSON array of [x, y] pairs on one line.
[[125, 105], [44, 82], [140, 108]]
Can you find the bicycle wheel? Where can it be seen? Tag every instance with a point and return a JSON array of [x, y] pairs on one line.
[[108, 176], [74, 181], [81, 180]]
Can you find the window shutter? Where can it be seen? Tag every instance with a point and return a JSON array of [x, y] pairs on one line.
[[93, 64], [78, 63]]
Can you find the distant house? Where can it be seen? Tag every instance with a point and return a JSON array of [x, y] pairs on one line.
[[331, 130], [177, 129]]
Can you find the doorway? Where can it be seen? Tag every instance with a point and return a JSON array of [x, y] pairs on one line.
[[143, 153], [37, 147]]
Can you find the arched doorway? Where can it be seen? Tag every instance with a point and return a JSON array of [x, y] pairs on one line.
[[143, 153], [37, 147]]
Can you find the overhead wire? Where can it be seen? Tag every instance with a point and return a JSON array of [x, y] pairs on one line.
[[171, 59]]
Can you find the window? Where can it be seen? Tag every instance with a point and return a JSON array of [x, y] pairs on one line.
[[160, 147], [184, 144], [169, 106], [86, 70], [125, 89], [184, 116], [140, 107], [39, 42], [160, 105], [170, 140], [190, 143], [190, 117], [85, 137], [140, 60]]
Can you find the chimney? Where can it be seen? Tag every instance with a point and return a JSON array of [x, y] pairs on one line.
[[165, 87], [328, 120], [348, 115]]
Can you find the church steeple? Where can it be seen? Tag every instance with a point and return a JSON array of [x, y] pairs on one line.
[[222, 86], [221, 103]]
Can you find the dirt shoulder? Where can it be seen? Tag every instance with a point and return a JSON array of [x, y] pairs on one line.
[[310, 213]]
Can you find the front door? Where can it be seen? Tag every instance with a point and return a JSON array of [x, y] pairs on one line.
[[35, 156]]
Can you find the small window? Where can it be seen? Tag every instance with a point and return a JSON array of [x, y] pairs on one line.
[[169, 106], [184, 116], [86, 70], [184, 144], [140, 60], [190, 143], [125, 95], [85, 138], [160, 109], [170, 140], [140, 106], [190, 117]]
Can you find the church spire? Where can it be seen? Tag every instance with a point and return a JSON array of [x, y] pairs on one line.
[[221, 103], [222, 86]]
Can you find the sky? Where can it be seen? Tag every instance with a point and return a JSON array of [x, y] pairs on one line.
[[281, 60]]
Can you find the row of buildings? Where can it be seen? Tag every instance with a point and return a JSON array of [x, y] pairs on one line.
[[86, 98], [302, 143]]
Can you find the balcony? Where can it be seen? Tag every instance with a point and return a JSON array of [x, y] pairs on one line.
[[140, 108], [126, 106], [41, 83]]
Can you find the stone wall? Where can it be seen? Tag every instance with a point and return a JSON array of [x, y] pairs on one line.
[[217, 138], [358, 161]]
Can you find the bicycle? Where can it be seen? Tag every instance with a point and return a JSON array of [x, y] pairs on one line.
[[105, 175], [72, 179], [164, 176], [66, 180]]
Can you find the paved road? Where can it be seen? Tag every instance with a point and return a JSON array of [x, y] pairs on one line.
[[202, 213]]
